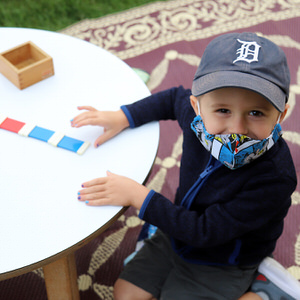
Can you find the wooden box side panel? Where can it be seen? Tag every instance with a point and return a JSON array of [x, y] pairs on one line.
[[36, 73], [9, 72]]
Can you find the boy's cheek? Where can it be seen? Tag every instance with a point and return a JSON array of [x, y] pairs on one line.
[[213, 126]]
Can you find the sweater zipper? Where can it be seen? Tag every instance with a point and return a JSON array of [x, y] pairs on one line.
[[206, 172], [194, 190]]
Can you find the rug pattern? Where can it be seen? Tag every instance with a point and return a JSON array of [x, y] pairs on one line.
[[166, 39]]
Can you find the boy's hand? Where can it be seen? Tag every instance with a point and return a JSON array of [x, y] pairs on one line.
[[113, 122], [113, 190]]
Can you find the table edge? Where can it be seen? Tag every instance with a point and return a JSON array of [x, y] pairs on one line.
[[42, 263]]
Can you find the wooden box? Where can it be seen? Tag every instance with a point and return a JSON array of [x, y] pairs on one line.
[[25, 65]]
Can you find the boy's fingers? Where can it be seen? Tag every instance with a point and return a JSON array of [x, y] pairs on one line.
[[87, 108], [102, 202], [104, 137], [92, 190], [93, 182], [90, 113], [89, 120], [93, 196]]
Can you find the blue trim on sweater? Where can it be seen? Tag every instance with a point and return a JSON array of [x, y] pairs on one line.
[[234, 255], [145, 204], [128, 116]]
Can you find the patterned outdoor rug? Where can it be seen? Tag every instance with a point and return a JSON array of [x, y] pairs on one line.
[[166, 39]]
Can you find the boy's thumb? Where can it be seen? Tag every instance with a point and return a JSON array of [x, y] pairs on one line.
[[105, 136]]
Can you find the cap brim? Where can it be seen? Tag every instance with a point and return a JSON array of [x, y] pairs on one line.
[[221, 79]]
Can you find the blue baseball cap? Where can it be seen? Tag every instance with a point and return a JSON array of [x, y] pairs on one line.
[[244, 60]]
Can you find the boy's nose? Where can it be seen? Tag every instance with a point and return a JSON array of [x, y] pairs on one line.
[[239, 126]]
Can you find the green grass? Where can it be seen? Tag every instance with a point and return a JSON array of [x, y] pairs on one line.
[[57, 14]]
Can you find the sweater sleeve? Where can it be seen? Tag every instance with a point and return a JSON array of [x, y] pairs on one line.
[[165, 105]]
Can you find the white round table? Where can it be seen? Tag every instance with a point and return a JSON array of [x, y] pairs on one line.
[[41, 220]]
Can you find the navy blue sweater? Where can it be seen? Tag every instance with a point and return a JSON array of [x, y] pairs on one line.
[[230, 217]]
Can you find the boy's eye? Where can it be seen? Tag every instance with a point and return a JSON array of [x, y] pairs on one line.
[[256, 113], [223, 110]]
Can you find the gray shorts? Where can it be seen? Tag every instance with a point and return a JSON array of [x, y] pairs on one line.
[[157, 269]]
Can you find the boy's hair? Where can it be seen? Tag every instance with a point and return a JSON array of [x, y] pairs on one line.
[[244, 60]]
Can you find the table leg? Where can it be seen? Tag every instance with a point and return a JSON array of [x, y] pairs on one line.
[[61, 279]]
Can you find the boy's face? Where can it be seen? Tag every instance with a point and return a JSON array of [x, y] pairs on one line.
[[237, 110]]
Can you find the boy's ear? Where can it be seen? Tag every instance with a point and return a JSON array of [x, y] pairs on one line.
[[287, 106], [194, 104]]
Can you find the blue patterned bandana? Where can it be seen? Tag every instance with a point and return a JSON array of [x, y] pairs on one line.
[[234, 150]]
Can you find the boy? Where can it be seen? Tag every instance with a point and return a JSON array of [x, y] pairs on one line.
[[236, 175]]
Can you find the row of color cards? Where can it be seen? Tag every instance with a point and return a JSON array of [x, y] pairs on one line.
[[53, 138]]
